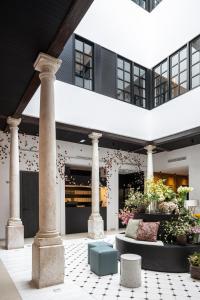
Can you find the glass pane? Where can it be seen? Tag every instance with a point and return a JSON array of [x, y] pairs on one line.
[[157, 71], [136, 91], [142, 73], [136, 71], [175, 92], [183, 54], [195, 45], [183, 88], [88, 73], [174, 71], [78, 81], [195, 57], [157, 81], [157, 91], [174, 59], [164, 67], [142, 83], [142, 93], [88, 49], [79, 45], [120, 63], [164, 77], [127, 76], [79, 57], [79, 70], [127, 86], [195, 81], [120, 84], [120, 74], [195, 69], [183, 76], [127, 97], [120, 95], [127, 66], [174, 81], [136, 80], [88, 84], [183, 65], [87, 61]]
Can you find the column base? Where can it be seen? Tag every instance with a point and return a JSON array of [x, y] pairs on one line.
[[95, 227], [14, 236], [47, 262]]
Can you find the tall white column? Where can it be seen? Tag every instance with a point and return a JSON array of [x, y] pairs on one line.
[[150, 149], [14, 228], [95, 222], [47, 249]]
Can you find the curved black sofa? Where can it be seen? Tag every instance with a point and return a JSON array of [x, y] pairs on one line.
[[167, 258]]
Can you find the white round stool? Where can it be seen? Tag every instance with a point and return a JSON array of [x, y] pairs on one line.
[[130, 270]]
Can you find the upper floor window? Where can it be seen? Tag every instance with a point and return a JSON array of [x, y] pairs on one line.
[[83, 64], [160, 74], [123, 79], [139, 85], [142, 3], [195, 63], [178, 73]]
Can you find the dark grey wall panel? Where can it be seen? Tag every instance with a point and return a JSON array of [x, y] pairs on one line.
[[66, 71], [105, 73]]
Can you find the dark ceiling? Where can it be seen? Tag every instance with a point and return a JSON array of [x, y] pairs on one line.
[[28, 27]]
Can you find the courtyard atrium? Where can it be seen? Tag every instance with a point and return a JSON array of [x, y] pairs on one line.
[[100, 150]]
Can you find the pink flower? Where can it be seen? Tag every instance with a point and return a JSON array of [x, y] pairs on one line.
[[125, 215]]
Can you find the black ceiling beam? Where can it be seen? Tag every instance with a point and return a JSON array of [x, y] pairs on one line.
[[67, 27]]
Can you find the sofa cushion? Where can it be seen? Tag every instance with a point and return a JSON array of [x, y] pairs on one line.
[[122, 236], [132, 227], [147, 231]]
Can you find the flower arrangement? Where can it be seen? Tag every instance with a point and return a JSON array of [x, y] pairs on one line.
[[158, 191], [182, 192], [195, 229], [137, 201], [125, 215], [194, 259], [168, 207]]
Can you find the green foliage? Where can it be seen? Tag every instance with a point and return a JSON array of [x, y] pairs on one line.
[[194, 259]]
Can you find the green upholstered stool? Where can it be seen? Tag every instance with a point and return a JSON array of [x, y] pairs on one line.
[[95, 244], [103, 260]]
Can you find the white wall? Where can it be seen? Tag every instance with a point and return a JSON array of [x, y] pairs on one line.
[[120, 26], [179, 114], [173, 24], [80, 107], [192, 161], [67, 153]]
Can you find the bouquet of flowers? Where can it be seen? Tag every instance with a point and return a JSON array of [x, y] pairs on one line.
[[125, 215], [158, 191], [182, 193], [137, 201]]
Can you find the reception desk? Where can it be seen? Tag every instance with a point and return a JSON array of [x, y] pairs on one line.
[[77, 218]]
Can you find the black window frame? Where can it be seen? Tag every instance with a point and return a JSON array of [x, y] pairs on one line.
[[179, 72], [135, 97], [83, 53], [191, 65], [160, 83], [124, 71]]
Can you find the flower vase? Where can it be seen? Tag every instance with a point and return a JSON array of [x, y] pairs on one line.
[[195, 272], [196, 238], [153, 206]]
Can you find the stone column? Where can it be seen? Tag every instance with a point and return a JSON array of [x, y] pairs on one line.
[[47, 249], [14, 228], [95, 222], [149, 149]]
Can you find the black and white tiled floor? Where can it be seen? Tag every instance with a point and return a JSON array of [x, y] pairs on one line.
[[81, 283]]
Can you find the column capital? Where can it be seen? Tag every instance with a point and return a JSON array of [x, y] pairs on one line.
[[150, 148], [95, 135], [47, 64], [12, 122]]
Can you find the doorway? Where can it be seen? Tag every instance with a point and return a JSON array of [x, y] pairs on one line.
[[29, 202]]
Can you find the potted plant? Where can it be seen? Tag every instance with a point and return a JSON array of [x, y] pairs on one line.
[[194, 260], [137, 201], [195, 230]]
